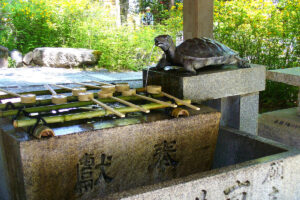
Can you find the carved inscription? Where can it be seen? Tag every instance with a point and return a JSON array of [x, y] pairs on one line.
[[237, 191], [104, 163], [275, 172], [202, 195], [90, 174], [287, 124], [85, 170], [164, 156], [274, 194]]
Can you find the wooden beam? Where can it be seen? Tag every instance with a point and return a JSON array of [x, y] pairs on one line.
[[198, 18]]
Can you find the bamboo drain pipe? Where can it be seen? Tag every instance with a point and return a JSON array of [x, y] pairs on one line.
[[26, 99]]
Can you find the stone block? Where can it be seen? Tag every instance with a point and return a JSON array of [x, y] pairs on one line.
[[210, 82], [3, 56], [246, 167], [281, 125], [94, 163]]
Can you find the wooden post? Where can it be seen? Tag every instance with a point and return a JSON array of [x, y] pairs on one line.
[[198, 18]]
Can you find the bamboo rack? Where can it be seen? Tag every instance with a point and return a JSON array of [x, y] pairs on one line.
[[44, 102], [84, 115], [73, 104]]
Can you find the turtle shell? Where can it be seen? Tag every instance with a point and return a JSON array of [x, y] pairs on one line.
[[203, 48]]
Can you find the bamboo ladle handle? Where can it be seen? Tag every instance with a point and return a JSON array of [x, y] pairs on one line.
[[50, 89], [11, 93], [108, 108], [130, 104], [62, 87], [180, 101], [88, 85], [156, 101], [102, 83]]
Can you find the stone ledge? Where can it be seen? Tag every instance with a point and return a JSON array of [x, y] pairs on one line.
[[210, 83], [289, 76]]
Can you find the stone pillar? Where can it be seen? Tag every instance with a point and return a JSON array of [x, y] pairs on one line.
[[3, 56], [198, 18], [239, 112]]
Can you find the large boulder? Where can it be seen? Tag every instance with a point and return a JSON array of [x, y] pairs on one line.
[[27, 59], [3, 56], [16, 56], [63, 57]]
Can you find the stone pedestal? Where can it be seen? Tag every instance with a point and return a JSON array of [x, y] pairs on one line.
[[105, 157], [3, 56], [231, 90]]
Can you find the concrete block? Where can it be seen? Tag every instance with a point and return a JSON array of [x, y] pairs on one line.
[[281, 125], [247, 168], [96, 159], [210, 82]]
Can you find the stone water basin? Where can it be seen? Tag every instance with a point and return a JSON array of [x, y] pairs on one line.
[[147, 157], [244, 167]]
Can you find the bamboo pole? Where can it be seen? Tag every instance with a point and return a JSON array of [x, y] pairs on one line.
[[156, 101], [50, 89], [130, 104], [84, 115], [181, 101]]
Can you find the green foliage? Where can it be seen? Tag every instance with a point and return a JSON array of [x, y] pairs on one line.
[[267, 34], [11, 63]]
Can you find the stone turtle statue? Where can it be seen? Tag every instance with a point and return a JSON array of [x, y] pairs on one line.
[[196, 53]]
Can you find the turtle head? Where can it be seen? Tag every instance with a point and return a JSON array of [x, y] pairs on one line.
[[164, 42]]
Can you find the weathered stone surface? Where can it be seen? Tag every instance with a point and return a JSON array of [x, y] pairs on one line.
[[281, 125], [289, 76], [27, 59], [3, 56], [209, 83], [17, 57], [96, 163], [63, 57], [265, 177]]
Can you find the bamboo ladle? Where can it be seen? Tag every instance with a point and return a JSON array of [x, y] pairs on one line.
[[156, 89], [75, 91], [88, 96], [56, 98], [102, 94], [132, 92], [26, 98]]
